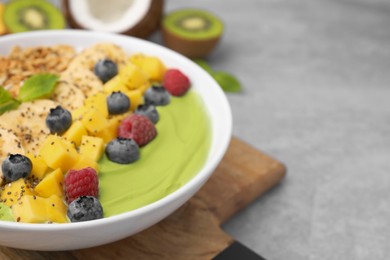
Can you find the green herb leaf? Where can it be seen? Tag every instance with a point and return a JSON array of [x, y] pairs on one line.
[[227, 81], [7, 102], [204, 65], [37, 86]]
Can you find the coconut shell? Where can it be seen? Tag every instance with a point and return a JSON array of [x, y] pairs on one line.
[[148, 24], [197, 48]]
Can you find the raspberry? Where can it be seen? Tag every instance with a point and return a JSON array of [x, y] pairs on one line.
[[176, 82], [137, 127], [82, 182]]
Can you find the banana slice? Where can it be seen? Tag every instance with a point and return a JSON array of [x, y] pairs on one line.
[[28, 123], [9, 144], [68, 95], [89, 56], [80, 70], [84, 79]]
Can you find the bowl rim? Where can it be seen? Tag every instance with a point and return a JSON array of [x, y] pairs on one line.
[[198, 180]]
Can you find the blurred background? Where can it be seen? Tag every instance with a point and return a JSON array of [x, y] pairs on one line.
[[314, 94]]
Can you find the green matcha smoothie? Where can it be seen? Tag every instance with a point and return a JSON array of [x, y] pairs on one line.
[[176, 154]]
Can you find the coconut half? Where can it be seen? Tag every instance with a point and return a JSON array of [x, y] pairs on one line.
[[139, 18]]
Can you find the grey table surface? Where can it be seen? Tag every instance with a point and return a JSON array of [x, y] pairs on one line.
[[316, 79]]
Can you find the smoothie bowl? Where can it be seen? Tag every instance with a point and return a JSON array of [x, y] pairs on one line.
[[143, 126]]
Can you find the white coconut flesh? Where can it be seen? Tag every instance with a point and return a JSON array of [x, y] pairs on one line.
[[114, 16]]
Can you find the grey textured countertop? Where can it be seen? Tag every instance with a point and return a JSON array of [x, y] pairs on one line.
[[316, 77]]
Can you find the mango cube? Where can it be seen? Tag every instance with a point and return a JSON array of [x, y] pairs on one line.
[[136, 98], [132, 76], [51, 184], [94, 121], [85, 162], [98, 101], [92, 147], [75, 133], [110, 132], [114, 84], [35, 209], [152, 66], [39, 167], [58, 153], [56, 209], [13, 192], [78, 113]]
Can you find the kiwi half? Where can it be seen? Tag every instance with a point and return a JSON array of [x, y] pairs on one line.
[[28, 15], [192, 32]]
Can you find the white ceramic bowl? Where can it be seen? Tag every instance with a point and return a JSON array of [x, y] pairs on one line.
[[102, 231]]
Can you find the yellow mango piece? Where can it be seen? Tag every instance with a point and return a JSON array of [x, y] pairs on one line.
[[78, 113], [75, 133], [39, 167], [35, 209], [30, 209], [99, 102], [13, 192], [152, 66], [136, 98], [110, 132], [56, 209], [58, 153], [94, 121], [52, 184], [114, 84], [132, 76], [92, 147], [85, 162]]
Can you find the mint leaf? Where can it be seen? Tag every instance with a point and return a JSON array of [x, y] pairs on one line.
[[204, 65], [37, 86], [7, 102], [227, 81]]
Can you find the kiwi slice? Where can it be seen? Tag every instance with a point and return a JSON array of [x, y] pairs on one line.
[[28, 15], [192, 32], [6, 213]]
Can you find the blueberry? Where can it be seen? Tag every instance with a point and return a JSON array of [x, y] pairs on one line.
[[105, 70], [58, 120], [16, 166], [157, 96], [122, 150], [118, 103], [148, 111], [85, 208]]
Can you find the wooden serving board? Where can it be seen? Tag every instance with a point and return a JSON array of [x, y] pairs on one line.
[[193, 231]]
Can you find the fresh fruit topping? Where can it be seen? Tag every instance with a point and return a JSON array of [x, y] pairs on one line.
[[191, 32], [105, 70], [85, 208], [6, 213], [157, 96], [137, 127], [29, 15], [149, 111], [176, 82], [58, 120], [16, 166], [118, 103], [82, 182], [122, 150]]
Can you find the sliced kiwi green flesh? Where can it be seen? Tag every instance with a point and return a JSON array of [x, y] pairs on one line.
[[5, 213], [29, 15], [193, 24]]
